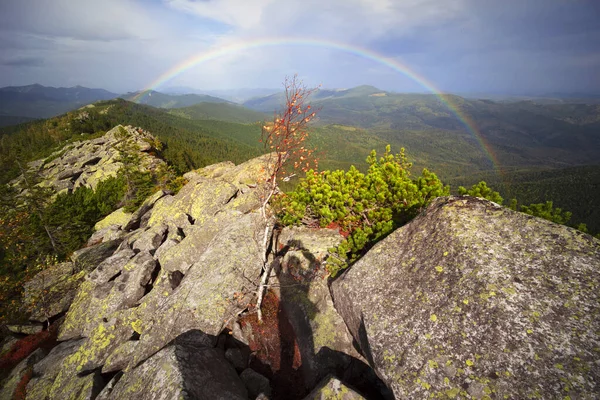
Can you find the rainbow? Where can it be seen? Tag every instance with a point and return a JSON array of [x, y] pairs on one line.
[[358, 51]]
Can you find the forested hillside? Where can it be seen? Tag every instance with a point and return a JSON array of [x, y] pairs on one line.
[[187, 144], [537, 147]]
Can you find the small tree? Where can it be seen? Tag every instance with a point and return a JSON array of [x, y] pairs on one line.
[[285, 138]]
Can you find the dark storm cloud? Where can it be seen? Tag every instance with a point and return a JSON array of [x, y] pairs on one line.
[[24, 62]]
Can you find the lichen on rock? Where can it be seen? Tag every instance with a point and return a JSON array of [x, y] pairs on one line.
[[472, 299]]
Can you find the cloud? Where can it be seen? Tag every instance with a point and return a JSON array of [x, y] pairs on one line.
[[361, 20], [457, 44], [24, 62], [236, 13], [83, 19]]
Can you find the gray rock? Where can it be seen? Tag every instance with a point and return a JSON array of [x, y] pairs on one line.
[[181, 370], [120, 357], [51, 291], [249, 173], [97, 302], [106, 393], [9, 385], [63, 186], [35, 165], [151, 239], [105, 341], [88, 258], [28, 329], [238, 334], [236, 358], [74, 386], [201, 199], [112, 266], [210, 293], [470, 292], [111, 232], [255, 383], [333, 388], [69, 173], [45, 371], [46, 368], [117, 218], [87, 164], [182, 256], [92, 160], [143, 209], [167, 244], [212, 171], [7, 344], [47, 278], [136, 275]]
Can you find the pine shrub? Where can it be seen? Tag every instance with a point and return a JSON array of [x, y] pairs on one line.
[[366, 207]]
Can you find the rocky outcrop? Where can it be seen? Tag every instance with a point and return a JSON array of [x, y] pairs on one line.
[[181, 263], [89, 162], [468, 300], [473, 300]]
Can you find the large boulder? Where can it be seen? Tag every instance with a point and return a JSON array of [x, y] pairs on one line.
[[212, 190], [184, 369], [471, 299], [147, 205], [200, 199], [183, 255]]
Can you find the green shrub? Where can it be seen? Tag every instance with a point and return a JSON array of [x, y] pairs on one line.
[[365, 206], [482, 190], [547, 211], [72, 216]]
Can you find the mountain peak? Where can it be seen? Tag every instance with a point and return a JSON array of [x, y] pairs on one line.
[[365, 89]]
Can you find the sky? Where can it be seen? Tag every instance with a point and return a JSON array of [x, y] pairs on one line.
[[458, 46]]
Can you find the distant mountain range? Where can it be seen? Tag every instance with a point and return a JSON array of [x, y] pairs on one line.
[[37, 101], [162, 100], [235, 95]]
